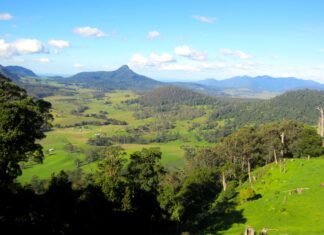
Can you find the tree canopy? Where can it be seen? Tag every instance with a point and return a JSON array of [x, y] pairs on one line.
[[22, 122]]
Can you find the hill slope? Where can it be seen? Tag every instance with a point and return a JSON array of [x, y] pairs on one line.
[[20, 71], [4, 72], [120, 79], [299, 105], [170, 95], [281, 209]]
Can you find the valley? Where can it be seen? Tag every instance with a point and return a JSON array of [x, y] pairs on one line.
[[77, 128], [170, 118], [196, 139], [162, 117]]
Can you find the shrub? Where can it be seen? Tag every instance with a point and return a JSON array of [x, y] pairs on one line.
[[247, 194]]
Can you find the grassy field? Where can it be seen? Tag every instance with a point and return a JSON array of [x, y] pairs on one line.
[[112, 105], [281, 209]]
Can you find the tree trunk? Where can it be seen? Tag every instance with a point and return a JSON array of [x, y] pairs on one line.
[[275, 156], [242, 164], [282, 135], [249, 171], [280, 165], [224, 181], [320, 109]]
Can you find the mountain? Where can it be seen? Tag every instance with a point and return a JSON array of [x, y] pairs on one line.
[[4, 72], [262, 83], [20, 71], [298, 105], [120, 79], [14, 73]]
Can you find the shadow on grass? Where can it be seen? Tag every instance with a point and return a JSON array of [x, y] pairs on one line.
[[217, 222], [220, 217]]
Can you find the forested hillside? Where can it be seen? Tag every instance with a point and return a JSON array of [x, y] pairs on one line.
[[298, 105], [170, 95]]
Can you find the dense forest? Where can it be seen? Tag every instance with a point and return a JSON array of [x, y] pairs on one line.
[[136, 194], [300, 105]]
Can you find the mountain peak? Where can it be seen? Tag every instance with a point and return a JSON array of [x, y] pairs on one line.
[[124, 68], [121, 79]]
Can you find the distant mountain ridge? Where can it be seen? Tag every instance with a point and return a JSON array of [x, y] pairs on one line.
[[20, 71], [263, 83], [120, 79], [4, 72], [16, 72], [126, 79]]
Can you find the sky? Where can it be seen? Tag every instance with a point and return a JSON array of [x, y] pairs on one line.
[[166, 39]]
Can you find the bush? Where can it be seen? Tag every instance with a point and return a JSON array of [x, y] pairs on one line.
[[93, 155], [247, 194], [99, 140]]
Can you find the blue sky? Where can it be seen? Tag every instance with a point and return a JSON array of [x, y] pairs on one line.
[[169, 39]]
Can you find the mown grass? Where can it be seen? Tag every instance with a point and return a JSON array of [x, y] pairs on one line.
[[280, 209]]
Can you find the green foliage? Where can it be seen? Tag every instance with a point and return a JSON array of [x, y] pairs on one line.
[[144, 170], [247, 194], [93, 155], [99, 140], [308, 144], [70, 147], [298, 105], [193, 199], [109, 175], [21, 123], [164, 97], [38, 186]]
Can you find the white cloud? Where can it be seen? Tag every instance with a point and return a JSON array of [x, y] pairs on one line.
[[163, 58], [5, 49], [180, 67], [42, 60], [190, 53], [78, 66], [153, 60], [21, 46], [319, 67], [29, 46], [205, 19], [138, 60], [5, 16], [153, 35], [89, 32], [59, 43], [235, 53]]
